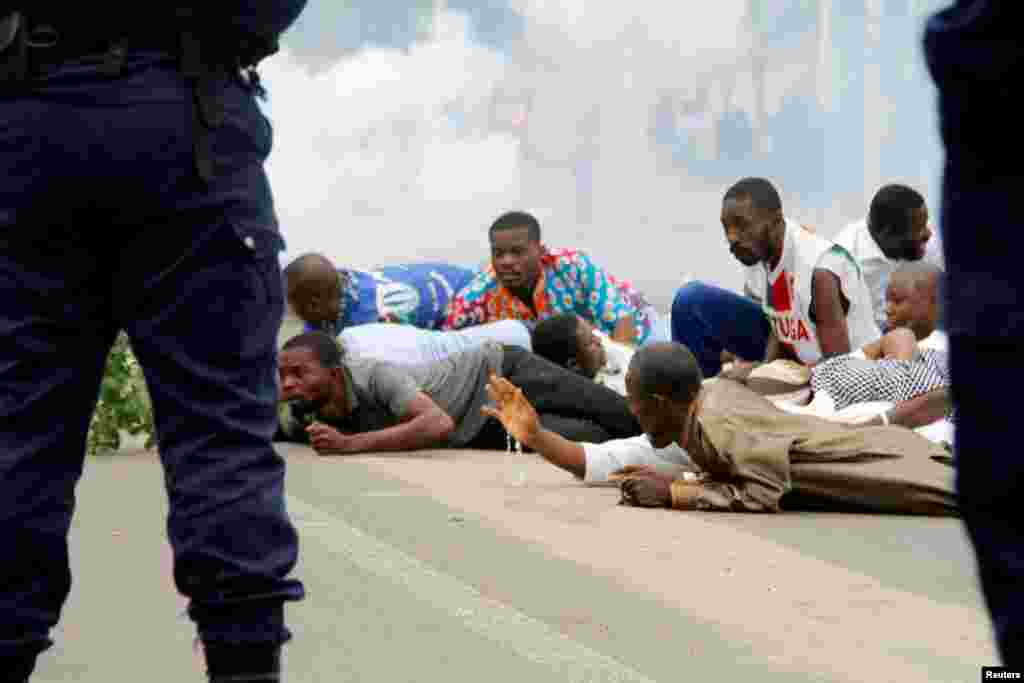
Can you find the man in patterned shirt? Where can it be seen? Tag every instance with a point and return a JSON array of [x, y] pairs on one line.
[[528, 281]]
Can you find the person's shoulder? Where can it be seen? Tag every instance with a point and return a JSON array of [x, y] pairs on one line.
[[483, 280], [720, 394], [490, 352], [365, 369], [936, 341], [563, 256], [800, 234], [849, 233]]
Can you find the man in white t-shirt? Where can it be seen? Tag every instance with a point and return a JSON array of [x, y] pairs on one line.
[[806, 298], [895, 231]]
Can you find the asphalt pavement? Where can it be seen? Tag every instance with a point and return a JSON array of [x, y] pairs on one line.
[[473, 566]]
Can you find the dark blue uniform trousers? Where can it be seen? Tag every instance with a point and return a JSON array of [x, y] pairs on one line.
[[104, 225], [977, 61]]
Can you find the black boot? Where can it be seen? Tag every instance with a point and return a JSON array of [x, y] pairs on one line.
[[243, 663]]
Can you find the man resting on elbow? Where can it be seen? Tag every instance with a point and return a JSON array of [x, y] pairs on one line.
[[345, 404], [337, 409]]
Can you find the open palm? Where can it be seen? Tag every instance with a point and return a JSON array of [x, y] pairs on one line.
[[512, 409]]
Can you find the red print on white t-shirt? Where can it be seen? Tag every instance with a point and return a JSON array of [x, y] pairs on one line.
[[789, 327]]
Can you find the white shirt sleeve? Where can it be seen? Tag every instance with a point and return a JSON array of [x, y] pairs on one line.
[[611, 456], [839, 262]]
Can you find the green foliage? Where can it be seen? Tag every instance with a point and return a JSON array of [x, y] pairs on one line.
[[124, 405]]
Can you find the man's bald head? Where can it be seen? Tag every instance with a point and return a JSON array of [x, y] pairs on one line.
[[912, 297], [920, 274], [308, 269], [312, 287]]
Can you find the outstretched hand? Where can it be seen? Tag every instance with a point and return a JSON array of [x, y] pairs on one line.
[[512, 409]]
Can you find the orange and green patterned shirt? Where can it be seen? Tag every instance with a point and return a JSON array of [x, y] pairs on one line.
[[570, 283]]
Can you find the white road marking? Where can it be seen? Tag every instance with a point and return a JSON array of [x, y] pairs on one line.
[[528, 637]]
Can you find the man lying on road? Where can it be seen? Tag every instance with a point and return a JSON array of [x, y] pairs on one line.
[[343, 405], [734, 450]]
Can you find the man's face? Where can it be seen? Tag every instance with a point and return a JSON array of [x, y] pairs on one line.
[[911, 245], [516, 258], [650, 411], [304, 378], [909, 306], [748, 230], [920, 233], [590, 353], [317, 303]]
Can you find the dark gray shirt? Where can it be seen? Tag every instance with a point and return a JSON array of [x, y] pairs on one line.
[[380, 392]]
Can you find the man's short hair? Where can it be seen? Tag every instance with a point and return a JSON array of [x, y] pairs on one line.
[[890, 209], [668, 369], [328, 351], [761, 193], [555, 338], [516, 219]]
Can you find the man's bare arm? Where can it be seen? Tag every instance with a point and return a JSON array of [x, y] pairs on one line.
[[520, 419], [829, 316], [424, 425], [559, 451], [774, 350], [898, 344]]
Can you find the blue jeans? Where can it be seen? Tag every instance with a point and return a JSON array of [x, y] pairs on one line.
[[105, 226], [709, 320], [972, 62]]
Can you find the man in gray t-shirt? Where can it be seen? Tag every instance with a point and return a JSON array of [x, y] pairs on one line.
[[350, 405]]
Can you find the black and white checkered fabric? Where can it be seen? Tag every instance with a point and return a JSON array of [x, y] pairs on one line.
[[849, 380]]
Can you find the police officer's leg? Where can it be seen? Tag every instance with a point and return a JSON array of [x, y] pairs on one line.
[[200, 294], [55, 331], [983, 242], [207, 344]]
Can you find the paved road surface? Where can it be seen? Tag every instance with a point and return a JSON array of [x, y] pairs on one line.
[[464, 566]]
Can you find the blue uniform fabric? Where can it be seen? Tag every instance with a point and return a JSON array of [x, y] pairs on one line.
[[105, 225], [977, 61], [709, 320], [412, 294]]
